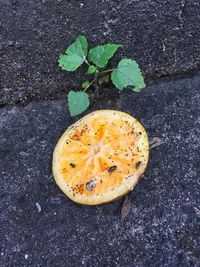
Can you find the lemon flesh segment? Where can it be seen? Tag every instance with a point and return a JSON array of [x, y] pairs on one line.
[[101, 157]]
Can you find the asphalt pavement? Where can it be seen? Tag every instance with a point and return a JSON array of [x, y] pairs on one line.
[[39, 226]]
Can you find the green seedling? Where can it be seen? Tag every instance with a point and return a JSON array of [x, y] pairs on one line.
[[127, 72]]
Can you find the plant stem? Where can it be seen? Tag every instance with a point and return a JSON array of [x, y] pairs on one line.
[[89, 85], [105, 71], [85, 60], [95, 79]]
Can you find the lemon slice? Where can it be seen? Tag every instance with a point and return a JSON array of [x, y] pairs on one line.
[[101, 157]]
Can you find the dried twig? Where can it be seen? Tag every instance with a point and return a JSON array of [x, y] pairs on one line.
[[155, 141], [126, 208]]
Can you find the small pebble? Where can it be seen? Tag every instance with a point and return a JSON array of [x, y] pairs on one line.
[[38, 206]]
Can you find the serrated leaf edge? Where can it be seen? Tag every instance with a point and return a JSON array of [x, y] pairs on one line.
[[130, 60]]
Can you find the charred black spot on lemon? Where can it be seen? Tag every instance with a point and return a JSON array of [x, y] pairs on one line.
[[101, 157]]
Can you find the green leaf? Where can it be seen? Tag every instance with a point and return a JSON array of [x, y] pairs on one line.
[[79, 47], [77, 102], [74, 55], [85, 84], [70, 62], [100, 55], [128, 73], [91, 69]]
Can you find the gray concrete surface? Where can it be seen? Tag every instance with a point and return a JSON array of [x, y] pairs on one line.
[[162, 35], [163, 226]]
